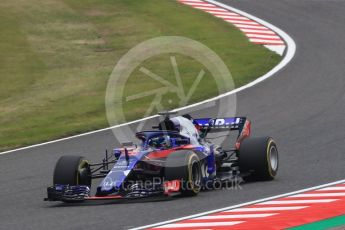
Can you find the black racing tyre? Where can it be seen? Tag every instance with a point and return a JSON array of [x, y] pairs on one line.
[[72, 170], [259, 156], [185, 165]]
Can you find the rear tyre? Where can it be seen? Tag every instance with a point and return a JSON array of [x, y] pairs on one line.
[[259, 157], [72, 170], [185, 165]]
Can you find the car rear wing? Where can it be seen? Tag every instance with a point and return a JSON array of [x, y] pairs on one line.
[[220, 124], [242, 124]]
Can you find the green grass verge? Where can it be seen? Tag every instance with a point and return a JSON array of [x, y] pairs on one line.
[[56, 57], [335, 223]]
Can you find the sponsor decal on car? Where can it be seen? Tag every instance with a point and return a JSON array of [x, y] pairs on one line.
[[172, 186]]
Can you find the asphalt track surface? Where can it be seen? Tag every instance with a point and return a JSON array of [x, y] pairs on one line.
[[302, 107]]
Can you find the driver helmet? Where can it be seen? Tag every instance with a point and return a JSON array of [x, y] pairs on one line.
[[159, 142]]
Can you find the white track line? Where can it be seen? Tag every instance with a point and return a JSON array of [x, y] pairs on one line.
[[291, 49], [298, 201], [238, 206], [202, 224], [336, 188], [235, 216], [263, 209], [318, 195]]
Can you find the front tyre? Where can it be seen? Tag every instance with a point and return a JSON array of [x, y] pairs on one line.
[[185, 165], [72, 170], [259, 157]]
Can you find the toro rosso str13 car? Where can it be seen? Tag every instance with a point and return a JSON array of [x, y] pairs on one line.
[[175, 158]]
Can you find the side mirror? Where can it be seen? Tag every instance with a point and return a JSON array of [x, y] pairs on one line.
[[117, 153]]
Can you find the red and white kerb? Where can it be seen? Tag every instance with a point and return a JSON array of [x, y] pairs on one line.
[[256, 32]]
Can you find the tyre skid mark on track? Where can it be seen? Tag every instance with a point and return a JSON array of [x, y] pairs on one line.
[[288, 210]]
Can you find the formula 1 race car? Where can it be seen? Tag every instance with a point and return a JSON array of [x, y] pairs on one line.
[[175, 158]]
